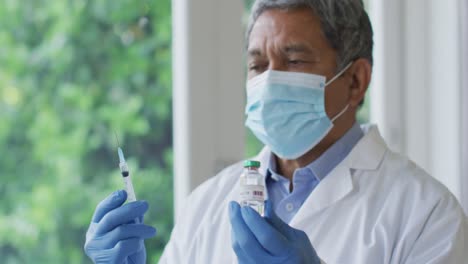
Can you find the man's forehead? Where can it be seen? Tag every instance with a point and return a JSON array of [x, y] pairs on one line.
[[294, 30]]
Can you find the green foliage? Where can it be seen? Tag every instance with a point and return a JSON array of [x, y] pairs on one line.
[[71, 73]]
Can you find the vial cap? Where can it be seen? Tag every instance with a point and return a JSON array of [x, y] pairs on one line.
[[251, 163]]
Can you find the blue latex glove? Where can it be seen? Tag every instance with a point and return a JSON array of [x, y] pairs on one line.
[[116, 233], [267, 240]]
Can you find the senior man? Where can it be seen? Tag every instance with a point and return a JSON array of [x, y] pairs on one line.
[[336, 193]]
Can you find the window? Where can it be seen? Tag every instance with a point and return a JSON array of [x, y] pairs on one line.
[[72, 73]]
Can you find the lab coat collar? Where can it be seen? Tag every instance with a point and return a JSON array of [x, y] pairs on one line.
[[368, 152], [366, 155]]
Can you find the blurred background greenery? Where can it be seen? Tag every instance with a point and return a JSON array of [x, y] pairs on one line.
[[72, 73]]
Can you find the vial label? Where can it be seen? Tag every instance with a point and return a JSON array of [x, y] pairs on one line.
[[251, 181], [252, 193]]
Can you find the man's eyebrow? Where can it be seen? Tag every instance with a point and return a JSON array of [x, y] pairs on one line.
[[297, 48], [288, 49], [254, 52]]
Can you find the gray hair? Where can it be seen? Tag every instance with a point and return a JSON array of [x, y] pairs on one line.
[[345, 24]]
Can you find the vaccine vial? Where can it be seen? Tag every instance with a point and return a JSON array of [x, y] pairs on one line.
[[252, 187]]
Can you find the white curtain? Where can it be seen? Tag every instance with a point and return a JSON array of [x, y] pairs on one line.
[[418, 50]]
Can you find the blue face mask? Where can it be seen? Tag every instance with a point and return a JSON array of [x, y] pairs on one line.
[[286, 111]]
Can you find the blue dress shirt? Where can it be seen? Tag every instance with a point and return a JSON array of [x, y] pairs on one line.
[[305, 179]]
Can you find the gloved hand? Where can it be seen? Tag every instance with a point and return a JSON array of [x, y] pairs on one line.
[[116, 233], [267, 240]]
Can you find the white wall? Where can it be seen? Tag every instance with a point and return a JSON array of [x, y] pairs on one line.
[[417, 83], [464, 100], [386, 102], [208, 90]]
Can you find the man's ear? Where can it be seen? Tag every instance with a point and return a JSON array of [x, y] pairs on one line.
[[361, 72]]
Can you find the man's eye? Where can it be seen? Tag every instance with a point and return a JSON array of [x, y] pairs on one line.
[[295, 62], [255, 67]]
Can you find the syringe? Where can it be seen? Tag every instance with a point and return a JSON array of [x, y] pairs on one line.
[[126, 176]]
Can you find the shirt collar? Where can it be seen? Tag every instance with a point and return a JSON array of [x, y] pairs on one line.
[[327, 161]]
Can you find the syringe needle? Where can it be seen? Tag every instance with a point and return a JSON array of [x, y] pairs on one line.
[[117, 138]]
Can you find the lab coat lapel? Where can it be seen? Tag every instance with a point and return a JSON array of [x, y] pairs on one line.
[[369, 152], [331, 189], [366, 155]]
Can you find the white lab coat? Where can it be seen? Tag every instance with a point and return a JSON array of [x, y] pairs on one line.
[[375, 207]]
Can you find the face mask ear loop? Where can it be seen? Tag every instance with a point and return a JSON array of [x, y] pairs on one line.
[[339, 74], [340, 113], [332, 80]]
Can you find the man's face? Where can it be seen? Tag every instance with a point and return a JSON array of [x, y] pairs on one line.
[[293, 41]]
